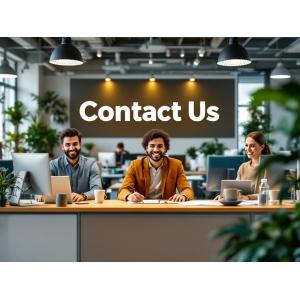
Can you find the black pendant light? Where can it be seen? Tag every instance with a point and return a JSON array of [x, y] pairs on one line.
[[233, 55], [66, 54], [6, 71]]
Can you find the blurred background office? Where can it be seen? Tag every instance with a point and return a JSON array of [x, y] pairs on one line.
[[40, 98]]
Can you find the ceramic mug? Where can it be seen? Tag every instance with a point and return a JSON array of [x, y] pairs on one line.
[[99, 196], [231, 194]]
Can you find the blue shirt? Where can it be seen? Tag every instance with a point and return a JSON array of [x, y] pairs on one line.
[[84, 176]]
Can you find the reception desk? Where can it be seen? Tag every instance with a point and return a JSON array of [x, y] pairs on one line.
[[118, 231]]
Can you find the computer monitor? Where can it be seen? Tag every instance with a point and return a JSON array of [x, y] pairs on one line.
[[179, 157], [107, 159], [7, 164], [37, 167], [276, 173], [222, 167]]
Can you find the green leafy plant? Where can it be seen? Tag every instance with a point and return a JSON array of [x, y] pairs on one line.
[[6, 182], [87, 149], [51, 104], [16, 114], [272, 238], [258, 120], [40, 138], [192, 152], [214, 147], [275, 237]]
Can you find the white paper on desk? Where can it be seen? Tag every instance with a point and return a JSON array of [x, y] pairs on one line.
[[154, 201], [200, 203], [250, 202], [146, 201]]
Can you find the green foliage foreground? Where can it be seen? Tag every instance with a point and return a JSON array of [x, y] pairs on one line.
[[275, 237]]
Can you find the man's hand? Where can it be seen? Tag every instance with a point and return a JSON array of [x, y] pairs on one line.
[[77, 197], [135, 197], [40, 198], [177, 198]]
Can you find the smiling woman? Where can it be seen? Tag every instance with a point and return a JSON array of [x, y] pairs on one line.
[[255, 146]]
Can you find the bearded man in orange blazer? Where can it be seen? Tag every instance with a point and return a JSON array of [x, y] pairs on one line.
[[155, 176]]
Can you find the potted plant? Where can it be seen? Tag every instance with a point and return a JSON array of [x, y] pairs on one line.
[[258, 121], [6, 182], [16, 114], [51, 105], [40, 138], [211, 148], [87, 149], [192, 152]]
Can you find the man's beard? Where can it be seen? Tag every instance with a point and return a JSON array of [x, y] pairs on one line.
[[74, 155], [156, 157]]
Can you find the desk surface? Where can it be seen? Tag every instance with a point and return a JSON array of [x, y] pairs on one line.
[[124, 207]]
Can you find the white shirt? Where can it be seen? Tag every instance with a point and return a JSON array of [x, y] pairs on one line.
[[155, 182]]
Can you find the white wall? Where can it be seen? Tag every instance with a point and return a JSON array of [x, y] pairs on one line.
[[29, 83], [61, 84]]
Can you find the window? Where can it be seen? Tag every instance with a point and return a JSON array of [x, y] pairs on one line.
[[8, 87], [246, 86]]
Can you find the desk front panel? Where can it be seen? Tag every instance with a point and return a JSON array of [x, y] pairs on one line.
[[152, 237]]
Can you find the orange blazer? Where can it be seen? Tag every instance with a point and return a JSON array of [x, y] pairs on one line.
[[137, 179]]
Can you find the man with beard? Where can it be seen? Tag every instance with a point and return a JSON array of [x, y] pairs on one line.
[[155, 176], [83, 172]]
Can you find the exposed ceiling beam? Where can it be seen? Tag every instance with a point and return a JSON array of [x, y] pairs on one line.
[[30, 43]]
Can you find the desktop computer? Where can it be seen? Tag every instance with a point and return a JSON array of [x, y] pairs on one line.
[[33, 175]]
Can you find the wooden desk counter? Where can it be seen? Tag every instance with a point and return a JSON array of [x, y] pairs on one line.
[[124, 207], [118, 231]]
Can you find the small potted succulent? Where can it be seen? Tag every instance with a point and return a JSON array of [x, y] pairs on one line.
[[7, 180]]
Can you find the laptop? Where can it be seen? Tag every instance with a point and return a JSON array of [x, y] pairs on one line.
[[59, 185], [243, 185]]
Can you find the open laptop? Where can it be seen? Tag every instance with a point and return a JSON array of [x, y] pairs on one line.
[[59, 185], [243, 185]]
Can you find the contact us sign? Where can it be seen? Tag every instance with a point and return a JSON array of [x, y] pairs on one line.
[[128, 108]]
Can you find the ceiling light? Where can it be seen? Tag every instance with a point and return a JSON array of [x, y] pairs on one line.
[[152, 78], [201, 52], [192, 78], [233, 55], [150, 61], [6, 71], [99, 53], [182, 53], [196, 62], [298, 62], [66, 54], [280, 72], [107, 78], [168, 53]]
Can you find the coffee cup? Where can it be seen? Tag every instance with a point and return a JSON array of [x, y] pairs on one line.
[[61, 200], [231, 194], [273, 195], [99, 196]]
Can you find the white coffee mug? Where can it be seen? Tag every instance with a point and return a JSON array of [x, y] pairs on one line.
[[231, 194], [273, 194], [99, 196]]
